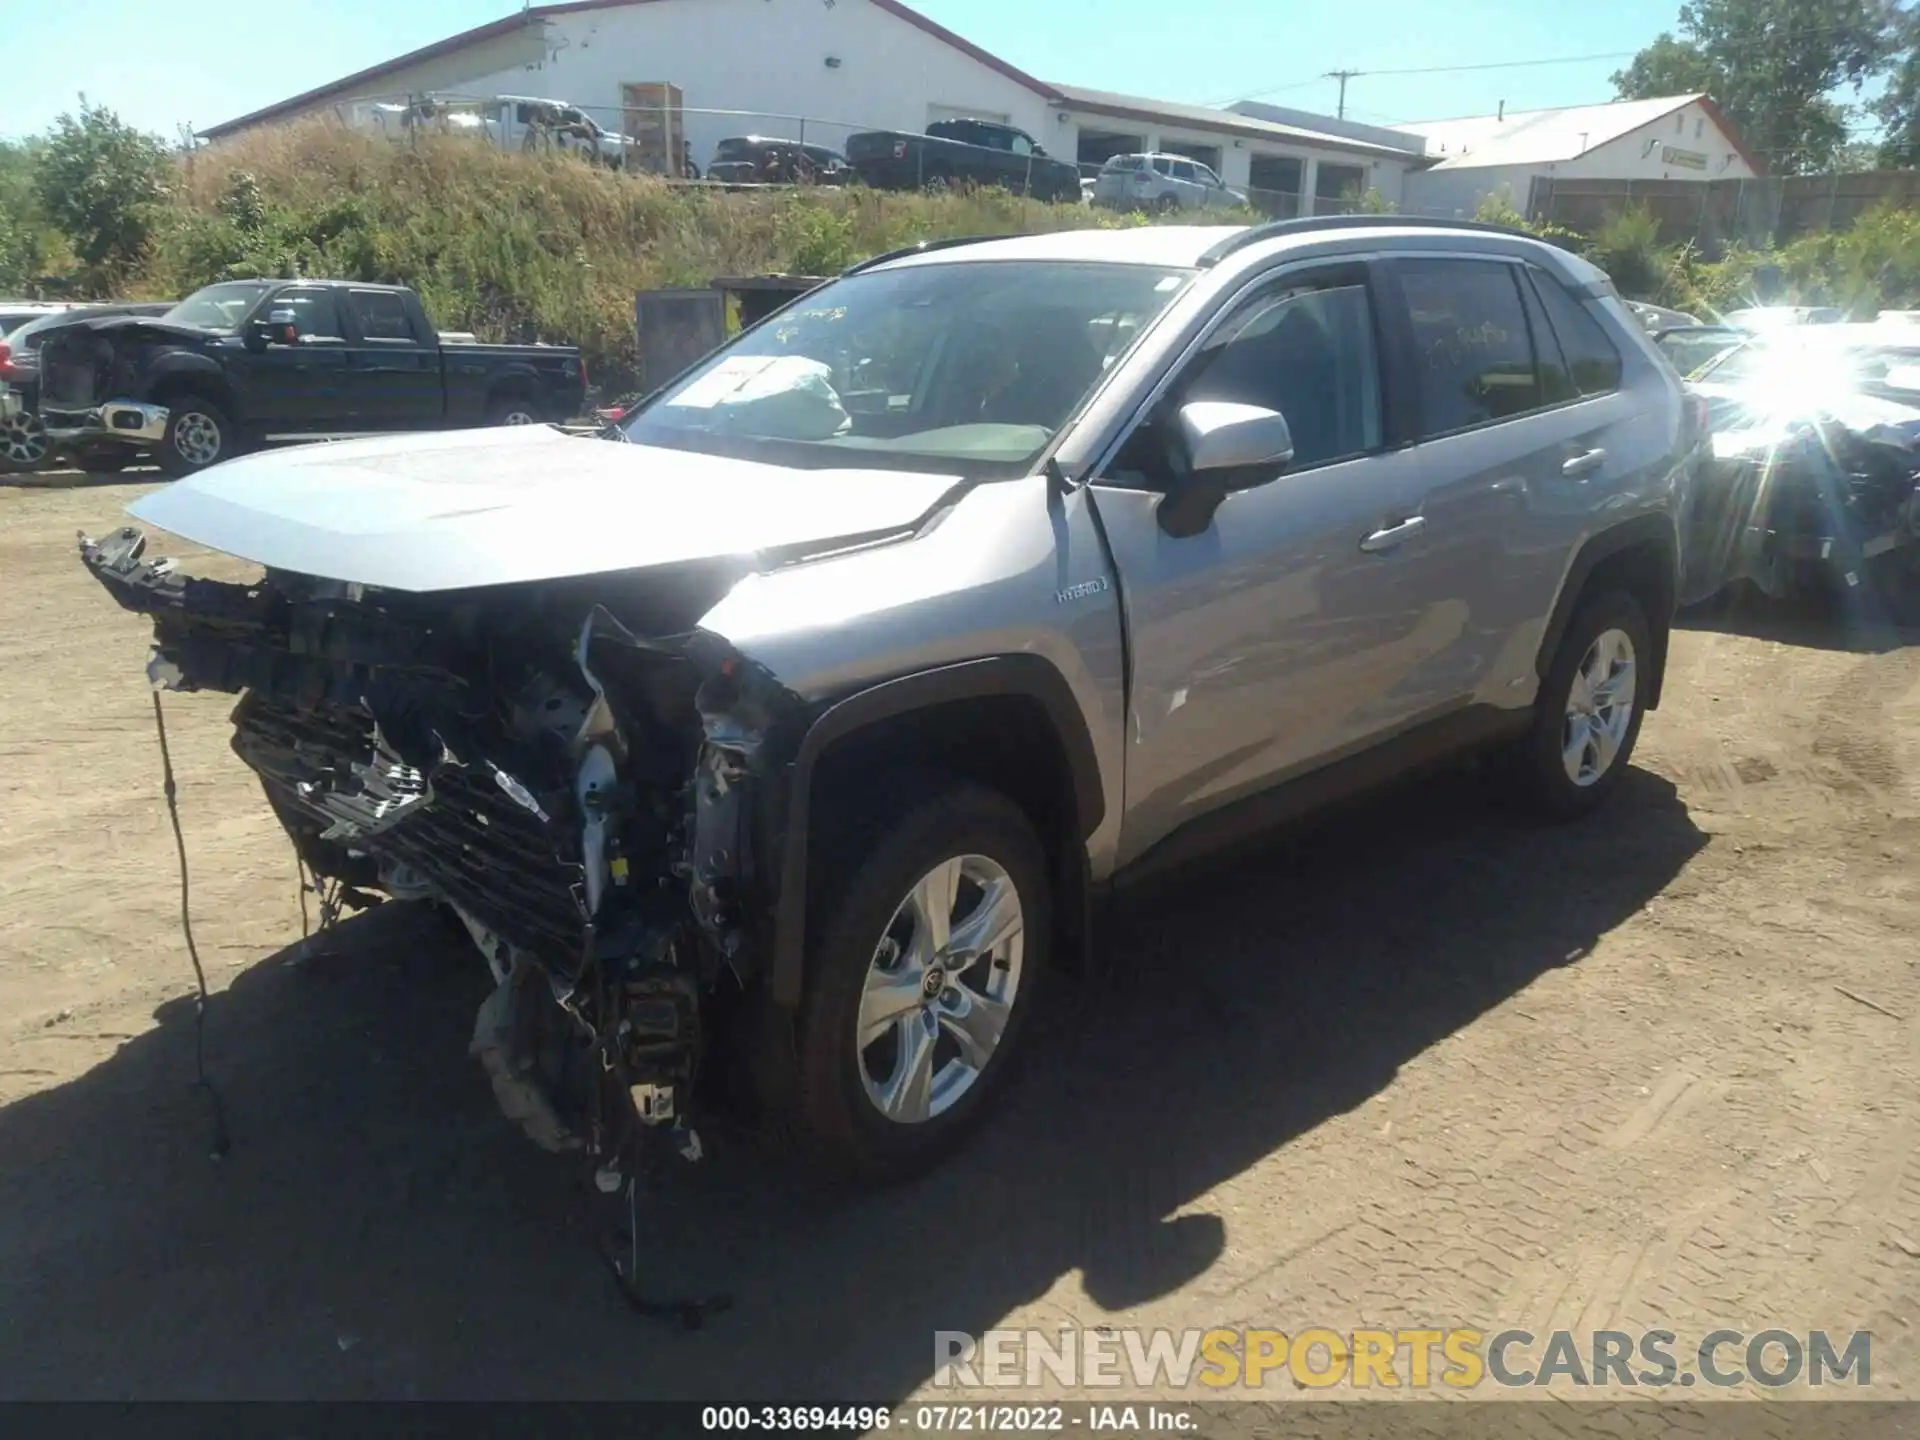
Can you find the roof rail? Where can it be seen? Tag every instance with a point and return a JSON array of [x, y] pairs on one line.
[[923, 248], [1274, 229]]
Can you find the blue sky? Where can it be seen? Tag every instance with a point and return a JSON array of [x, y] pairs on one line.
[[162, 64]]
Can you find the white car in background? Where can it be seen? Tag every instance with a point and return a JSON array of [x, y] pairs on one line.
[[1162, 183]]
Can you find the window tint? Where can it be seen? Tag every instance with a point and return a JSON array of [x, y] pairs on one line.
[[1206, 175], [1019, 144], [1307, 353], [1162, 164], [1471, 352], [1556, 381], [314, 312], [1591, 355], [1183, 170], [382, 315]]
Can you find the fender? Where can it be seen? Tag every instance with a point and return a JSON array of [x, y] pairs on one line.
[[1024, 675], [1642, 529], [170, 365]]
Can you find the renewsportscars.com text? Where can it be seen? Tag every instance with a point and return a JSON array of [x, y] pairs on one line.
[[1457, 1358]]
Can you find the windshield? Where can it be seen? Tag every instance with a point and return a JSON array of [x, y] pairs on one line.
[[218, 307], [977, 364]]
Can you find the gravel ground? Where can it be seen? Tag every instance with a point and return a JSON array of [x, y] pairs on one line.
[[1418, 1066]]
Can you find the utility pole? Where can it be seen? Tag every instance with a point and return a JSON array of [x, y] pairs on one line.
[[1342, 76]]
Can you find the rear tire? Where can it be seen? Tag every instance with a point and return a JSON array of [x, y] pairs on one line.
[[198, 435], [1587, 717], [513, 410], [942, 1029]]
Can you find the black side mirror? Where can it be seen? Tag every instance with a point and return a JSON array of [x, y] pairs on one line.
[[1226, 447], [276, 327]]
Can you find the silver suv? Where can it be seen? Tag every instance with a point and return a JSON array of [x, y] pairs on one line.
[[803, 717], [1162, 183]]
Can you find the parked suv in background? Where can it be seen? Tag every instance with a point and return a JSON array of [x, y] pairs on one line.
[[1162, 182], [801, 725]]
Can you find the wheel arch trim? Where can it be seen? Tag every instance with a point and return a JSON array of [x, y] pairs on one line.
[[1655, 530], [1024, 676]]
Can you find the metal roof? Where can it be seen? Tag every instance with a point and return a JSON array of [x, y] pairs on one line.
[[1546, 137], [1225, 122]]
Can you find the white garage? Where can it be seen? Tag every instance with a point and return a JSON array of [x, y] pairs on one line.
[[818, 70], [1675, 137]]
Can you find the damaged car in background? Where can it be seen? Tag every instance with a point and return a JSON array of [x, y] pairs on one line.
[[783, 735], [1815, 477]]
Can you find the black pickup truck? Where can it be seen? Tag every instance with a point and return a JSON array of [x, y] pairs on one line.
[[952, 152], [250, 362]]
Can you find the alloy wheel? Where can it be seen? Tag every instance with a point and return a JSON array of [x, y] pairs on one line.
[[1599, 708], [940, 988], [23, 441], [197, 437]]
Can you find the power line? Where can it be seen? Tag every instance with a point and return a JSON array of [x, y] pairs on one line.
[[1342, 76], [1767, 41]]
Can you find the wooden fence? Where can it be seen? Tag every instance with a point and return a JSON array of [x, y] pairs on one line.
[[1716, 213]]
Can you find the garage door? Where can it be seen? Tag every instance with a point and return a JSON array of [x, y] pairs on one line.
[[937, 113]]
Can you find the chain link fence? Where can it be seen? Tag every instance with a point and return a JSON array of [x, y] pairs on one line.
[[738, 148]]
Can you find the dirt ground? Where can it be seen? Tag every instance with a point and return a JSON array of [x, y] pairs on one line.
[[1419, 1066]]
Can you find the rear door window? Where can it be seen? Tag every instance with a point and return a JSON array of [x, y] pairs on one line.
[[1473, 355], [381, 315]]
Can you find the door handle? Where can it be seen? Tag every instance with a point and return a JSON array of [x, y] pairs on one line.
[[1583, 464], [1394, 535]]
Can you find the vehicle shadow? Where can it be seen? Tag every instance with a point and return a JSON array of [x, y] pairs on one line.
[[1868, 621], [378, 1231], [71, 479]]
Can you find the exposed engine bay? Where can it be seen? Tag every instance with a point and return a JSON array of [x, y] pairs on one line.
[[578, 793], [1822, 489]]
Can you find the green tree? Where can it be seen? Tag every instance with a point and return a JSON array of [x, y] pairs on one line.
[[1897, 107], [101, 181], [20, 220], [1773, 66]]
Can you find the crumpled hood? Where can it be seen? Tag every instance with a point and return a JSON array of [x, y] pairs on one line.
[[461, 509]]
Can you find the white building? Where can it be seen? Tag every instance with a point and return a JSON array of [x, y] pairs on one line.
[[1676, 137], [820, 69]]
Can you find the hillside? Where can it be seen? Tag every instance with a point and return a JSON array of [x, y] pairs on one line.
[[519, 247]]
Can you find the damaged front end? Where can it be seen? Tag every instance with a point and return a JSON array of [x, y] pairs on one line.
[[577, 781]]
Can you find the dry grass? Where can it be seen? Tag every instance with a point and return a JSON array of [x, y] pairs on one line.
[[524, 247]]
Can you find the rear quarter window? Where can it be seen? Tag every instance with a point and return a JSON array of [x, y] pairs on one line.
[[1593, 359]]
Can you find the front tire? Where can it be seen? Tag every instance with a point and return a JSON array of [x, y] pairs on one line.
[[23, 442], [198, 435], [1588, 713], [921, 977]]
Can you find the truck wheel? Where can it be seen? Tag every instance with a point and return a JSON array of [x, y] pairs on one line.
[[1167, 204], [23, 441], [1588, 713], [198, 435], [512, 410], [920, 980]]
